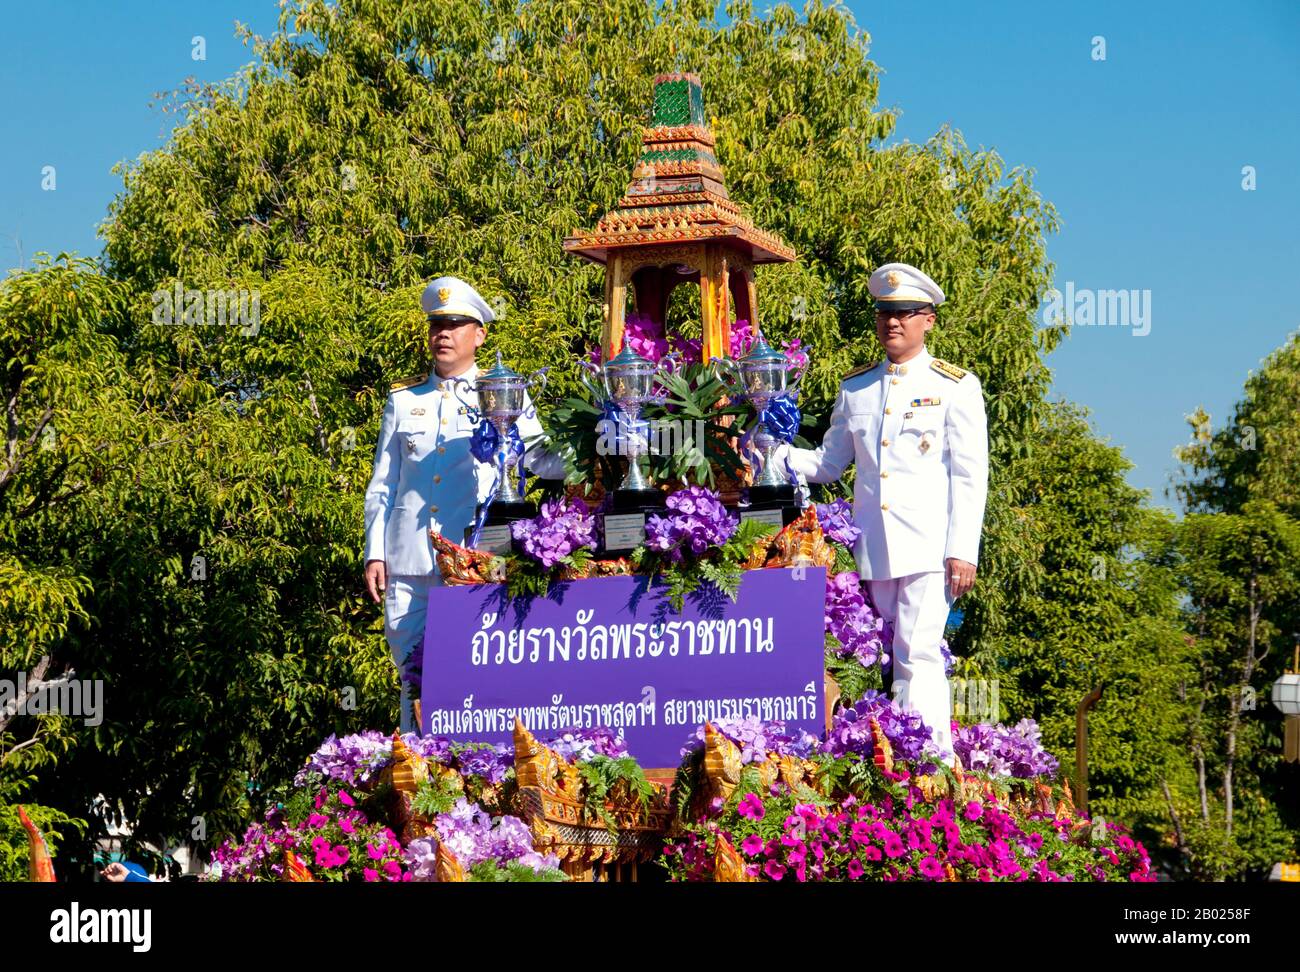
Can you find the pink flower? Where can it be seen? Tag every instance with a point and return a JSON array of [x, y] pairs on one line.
[[317, 820], [752, 845], [341, 854], [932, 869], [855, 869], [973, 810], [370, 873], [752, 807], [774, 870], [347, 827], [346, 800]]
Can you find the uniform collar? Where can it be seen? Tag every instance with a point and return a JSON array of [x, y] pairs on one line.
[[467, 375], [918, 363]]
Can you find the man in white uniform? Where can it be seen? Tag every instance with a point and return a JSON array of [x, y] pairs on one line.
[[915, 426], [424, 475]]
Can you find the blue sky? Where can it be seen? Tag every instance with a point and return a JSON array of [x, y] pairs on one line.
[[1142, 154]]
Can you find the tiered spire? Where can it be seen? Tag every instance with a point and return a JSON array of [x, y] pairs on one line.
[[677, 194]]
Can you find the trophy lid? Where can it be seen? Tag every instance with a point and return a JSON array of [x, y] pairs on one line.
[[627, 360], [500, 372], [762, 353]]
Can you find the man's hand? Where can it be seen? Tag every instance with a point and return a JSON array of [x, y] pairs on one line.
[[115, 872], [376, 579], [961, 577]]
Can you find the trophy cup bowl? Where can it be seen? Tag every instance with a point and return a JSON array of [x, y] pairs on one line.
[[629, 381], [500, 393], [759, 377]]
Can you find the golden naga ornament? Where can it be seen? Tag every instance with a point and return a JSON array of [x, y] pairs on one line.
[[461, 565], [550, 798], [728, 865], [447, 867], [294, 869], [799, 544]]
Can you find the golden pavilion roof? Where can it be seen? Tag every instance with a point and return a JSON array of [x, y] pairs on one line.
[[677, 194]]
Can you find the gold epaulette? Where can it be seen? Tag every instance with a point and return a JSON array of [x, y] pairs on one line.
[[947, 370], [407, 382], [859, 370]]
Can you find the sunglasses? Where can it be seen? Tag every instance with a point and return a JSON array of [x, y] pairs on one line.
[[450, 323], [884, 314]]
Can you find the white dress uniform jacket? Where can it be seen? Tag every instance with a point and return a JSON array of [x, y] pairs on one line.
[[424, 475], [918, 435]]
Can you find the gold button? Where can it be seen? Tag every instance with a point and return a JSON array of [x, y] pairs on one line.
[[444, 421], [884, 442], [893, 381], [446, 394], [433, 509], [441, 449], [884, 506], [883, 474], [437, 479], [889, 411]]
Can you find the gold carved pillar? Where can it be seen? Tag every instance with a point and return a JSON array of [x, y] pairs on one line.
[[715, 304], [611, 332]]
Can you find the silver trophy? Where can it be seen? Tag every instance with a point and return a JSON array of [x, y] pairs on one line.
[[500, 394], [629, 381], [758, 377]]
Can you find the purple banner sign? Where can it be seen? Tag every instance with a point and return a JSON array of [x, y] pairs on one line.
[[611, 651]]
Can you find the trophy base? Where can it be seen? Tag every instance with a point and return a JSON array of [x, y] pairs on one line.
[[625, 523], [639, 500], [495, 537], [777, 505]]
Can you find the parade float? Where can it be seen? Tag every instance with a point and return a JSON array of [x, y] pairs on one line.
[[670, 670]]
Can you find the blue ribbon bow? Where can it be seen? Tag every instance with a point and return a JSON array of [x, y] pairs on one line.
[[623, 426], [485, 445], [782, 418]]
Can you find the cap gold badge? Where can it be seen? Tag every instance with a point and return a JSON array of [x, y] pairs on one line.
[[444, 293], [893, 278]]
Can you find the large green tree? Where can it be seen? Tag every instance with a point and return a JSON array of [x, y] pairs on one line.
[[1241, 574]]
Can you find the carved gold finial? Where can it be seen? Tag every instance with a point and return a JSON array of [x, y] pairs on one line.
[[408, 770], [728, 865], [294, 869], [447, 866], [883, 752]]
